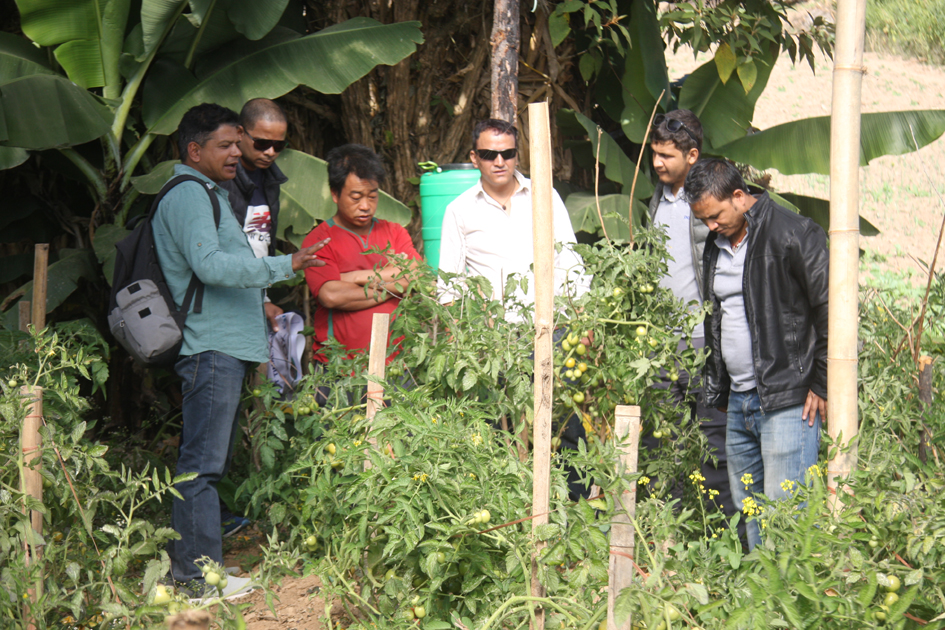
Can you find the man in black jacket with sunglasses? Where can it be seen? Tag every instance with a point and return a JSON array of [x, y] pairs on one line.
[[254, 192]]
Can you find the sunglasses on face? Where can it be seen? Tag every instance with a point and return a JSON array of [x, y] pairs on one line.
[[488, 154], [261, 144], [673, 125]]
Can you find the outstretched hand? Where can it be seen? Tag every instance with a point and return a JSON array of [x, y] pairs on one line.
[[305, 258]]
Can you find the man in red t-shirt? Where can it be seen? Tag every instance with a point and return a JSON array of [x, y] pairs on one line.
[[353, 285]]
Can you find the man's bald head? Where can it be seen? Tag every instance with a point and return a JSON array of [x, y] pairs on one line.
[[260, 109]]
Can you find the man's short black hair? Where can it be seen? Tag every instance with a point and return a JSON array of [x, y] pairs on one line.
[[713, 176], [683, 141], [353, 158], [260, 109], [200, 122], [496, 126]]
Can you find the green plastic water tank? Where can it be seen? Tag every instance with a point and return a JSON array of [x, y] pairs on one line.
[[437, 189]]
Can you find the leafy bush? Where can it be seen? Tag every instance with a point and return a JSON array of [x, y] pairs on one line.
[[909, 27]]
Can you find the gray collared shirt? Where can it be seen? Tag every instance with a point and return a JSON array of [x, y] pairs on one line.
[[673, 215], [736, 335]]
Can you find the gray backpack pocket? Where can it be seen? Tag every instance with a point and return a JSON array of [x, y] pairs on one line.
[[142, 322]]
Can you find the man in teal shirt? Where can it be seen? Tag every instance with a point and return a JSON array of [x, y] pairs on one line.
[[224, 339]]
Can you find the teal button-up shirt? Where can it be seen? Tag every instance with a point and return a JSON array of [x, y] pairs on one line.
[[232, 320]]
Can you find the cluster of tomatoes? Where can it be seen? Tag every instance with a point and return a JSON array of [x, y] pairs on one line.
[[576, 368]]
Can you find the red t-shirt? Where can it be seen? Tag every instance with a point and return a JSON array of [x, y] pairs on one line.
[[345, 252]]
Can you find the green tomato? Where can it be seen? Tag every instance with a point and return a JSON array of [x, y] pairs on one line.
[[658, 434], [331, 449], [673, 613], [582, 367], [890, 599], [648, 288], [578, 397], [652, 341], [485, 516], [440, 557], [569, 374], [420, 612], [257, 393], [408, 615], [223, 582], [312, 541], [566, 345], [12, 382], [641, 331], [879, 615], [581, 349], [161, 596], [894, 584], [874, 543], [212, 578], [674, 376], [389, 575], [572, 339], [304, 411], [618, 291]]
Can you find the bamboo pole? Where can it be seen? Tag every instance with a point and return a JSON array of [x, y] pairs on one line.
[[31, 483], [925, 396], [40, 279], [626, 426], [844, 239], [543, 235], [25, 315]]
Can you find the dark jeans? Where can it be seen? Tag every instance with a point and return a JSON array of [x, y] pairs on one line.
[[212, 383], [688, 393]]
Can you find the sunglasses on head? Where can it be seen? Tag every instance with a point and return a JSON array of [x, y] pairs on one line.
[[261, 144], [488, 154], [673, 125]]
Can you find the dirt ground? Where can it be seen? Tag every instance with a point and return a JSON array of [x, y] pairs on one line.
[[901, 195]]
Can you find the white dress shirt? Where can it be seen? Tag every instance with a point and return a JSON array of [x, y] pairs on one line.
[[479, 238]]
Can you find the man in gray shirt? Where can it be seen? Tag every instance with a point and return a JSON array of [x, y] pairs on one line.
[[766, 275], [676, 144]]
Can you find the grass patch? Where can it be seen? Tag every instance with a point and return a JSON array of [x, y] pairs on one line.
[[910, 27]]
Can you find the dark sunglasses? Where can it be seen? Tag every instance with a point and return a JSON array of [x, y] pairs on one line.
[[673, 125], [488, 154], [264, 145]]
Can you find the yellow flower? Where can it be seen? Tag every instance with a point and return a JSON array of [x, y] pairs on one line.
[[747, 480], [357, 442], [787, 485], [713, 493], [764, 523], [696, 478], [644, 480], [815, 471], [749, 507]]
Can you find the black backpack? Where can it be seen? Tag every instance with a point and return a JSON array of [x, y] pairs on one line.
[[142, 313]]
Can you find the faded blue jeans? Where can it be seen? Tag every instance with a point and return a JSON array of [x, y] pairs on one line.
[[772, 446], [212, 383]]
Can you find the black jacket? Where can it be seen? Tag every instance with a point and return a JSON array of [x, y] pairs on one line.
[[241, 189], [785, 291]]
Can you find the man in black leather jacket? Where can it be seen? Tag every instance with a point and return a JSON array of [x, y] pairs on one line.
[[254, 192], [765, 274]]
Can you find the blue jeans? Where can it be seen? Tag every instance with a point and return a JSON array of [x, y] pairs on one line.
[[212, 382], [772, 446]]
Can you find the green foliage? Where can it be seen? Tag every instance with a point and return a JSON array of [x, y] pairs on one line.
[[913, 28]]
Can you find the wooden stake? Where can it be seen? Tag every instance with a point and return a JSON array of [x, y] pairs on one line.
[[626, 427], [925, 395], [543, 235], [23, 310], [377, 360], [40, 267], [844, 239], [31, 483]]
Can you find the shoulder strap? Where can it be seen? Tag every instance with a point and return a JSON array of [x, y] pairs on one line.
[[195, 288]]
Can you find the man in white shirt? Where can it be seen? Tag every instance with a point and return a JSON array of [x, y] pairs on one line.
[[487, 230]]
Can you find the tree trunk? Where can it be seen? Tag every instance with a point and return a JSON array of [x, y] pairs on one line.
[[505, 46]]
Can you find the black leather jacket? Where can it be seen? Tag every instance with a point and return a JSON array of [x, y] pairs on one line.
[[241, 189], [785, 291]]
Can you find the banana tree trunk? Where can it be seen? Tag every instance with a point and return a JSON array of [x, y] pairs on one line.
[[844, 239], [505, 45]]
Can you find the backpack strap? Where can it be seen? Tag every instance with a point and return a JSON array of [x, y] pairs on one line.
[[196, 287]]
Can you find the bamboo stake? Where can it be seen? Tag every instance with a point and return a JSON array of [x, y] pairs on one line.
[[31, 483], [40, 266], [380, 323], [925, 396], [844, 239], [626, 426], [23, 310], [543, 235]]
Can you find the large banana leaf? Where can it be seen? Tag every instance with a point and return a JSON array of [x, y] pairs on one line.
[[582, 209], [818, 210], [803, 146], [88, 35], [618, 167], [49, 112], [724, 109], [253, 18], [327, 61], [156, 17], [11, 156], [645, 75], [304, 199], [19, 58]]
